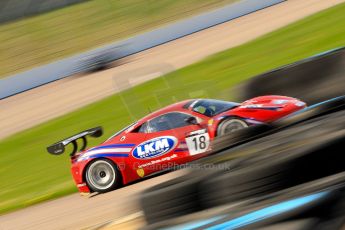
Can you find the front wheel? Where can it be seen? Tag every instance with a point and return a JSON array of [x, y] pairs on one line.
[[231, 125], [102, 176]]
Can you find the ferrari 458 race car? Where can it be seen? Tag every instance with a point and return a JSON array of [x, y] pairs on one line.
[[174, 135]]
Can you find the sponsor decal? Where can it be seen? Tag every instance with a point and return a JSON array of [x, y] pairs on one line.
[[140, 172], [154, 147], [158, 161], [65, 142]]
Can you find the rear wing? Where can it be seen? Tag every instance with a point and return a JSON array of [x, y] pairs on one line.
[[59, 147]]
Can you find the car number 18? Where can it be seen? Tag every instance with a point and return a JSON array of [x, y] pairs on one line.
[[198, 143]]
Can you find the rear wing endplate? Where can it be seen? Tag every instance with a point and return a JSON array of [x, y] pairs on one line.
[[59, 147]]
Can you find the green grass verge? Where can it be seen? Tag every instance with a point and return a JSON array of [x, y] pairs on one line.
[[41, 39], [28, 174]]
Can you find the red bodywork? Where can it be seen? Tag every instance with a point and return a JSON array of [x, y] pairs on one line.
[[125, 147]]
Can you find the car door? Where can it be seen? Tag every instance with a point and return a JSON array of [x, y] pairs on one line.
[[165, 141]]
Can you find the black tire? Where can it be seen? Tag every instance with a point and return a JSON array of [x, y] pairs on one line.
[[230, 125], [102, 176]]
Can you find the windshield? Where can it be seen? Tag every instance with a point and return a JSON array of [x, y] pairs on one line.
[[210, 107]]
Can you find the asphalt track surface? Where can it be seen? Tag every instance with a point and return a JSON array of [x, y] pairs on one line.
[[55, 99]]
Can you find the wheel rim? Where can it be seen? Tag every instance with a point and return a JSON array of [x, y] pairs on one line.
[[233, 125], [101, 175]]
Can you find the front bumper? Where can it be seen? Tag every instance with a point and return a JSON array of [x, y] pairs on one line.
[[83, 189]]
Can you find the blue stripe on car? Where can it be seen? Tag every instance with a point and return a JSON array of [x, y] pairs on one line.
[[180, 150], [109, 155], [114, 146]]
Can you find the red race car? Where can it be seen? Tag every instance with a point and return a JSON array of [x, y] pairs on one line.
[[176, 134]]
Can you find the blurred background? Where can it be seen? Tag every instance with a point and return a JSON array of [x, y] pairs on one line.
[[43, 31]]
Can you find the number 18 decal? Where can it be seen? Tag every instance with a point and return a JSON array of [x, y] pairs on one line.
[[198, 143]]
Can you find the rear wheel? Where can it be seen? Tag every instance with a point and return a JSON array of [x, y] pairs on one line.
[[102, 176], [231, 125]]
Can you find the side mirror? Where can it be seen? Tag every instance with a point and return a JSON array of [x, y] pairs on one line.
[[191, 120]]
